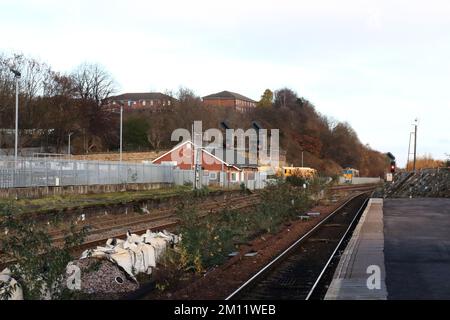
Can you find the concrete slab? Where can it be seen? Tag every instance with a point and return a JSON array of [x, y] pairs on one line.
[[409, 239], [363, 252], [417, 248]]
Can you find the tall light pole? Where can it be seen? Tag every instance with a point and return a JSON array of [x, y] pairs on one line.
[[302, 159], [68, 149], [415, 143], [121, 131], [16, 77], [409, 151]]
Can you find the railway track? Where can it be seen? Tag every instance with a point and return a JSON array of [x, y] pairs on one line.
[[100, 230], [301, 271], [362, 187], [111, 225], [168, 221]]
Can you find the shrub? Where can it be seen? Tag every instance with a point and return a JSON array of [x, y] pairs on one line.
[[206, 241], [296, 181], [38, 263]]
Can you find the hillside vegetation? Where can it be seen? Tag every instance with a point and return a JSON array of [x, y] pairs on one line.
[[426, 162], [327, 145], [54, 104]]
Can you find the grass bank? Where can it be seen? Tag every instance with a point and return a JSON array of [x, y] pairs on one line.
[[56, 203]]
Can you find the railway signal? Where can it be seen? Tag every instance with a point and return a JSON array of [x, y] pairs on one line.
[[392, 167]]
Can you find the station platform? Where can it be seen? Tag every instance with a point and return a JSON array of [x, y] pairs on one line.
[[400, 249], [364, 249]]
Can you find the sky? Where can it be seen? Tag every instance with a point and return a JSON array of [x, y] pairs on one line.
[[376, 64]]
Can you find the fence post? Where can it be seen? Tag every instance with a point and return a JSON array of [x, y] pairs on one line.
[[109, 174], [46, 172], [75, 172], [60, 173]]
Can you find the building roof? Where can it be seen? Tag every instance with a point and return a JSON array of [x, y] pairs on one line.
[[228, 95], [135, 96], [203, 150], [236, 155]]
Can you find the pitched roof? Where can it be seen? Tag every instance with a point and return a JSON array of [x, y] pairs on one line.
[[141, 96], [228, 95], [203, 150], [236, 156]]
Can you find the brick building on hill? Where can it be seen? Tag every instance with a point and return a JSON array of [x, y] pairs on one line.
[[229, 99], [153, 101]]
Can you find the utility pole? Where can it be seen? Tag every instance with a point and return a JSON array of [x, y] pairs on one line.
[[415, 144], [17, 76], [193, 159], [121, 131], [68, 148], [409, 151], [198, 153], [17, 121]]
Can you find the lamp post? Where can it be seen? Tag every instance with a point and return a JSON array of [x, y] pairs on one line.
[[17, 76], [302, 159], [415, 143], [121, 130], [68, 149]]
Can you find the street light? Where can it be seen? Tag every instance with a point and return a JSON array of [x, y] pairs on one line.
[[68, 149], [17, 76], [121, 127], [415, 143], [121, 130]]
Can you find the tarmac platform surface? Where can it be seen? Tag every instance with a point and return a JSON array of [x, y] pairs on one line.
[[409, 241], [417, 248]]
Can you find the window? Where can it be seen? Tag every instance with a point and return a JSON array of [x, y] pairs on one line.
[[144, 102], [151, 102], [234, 176], [213, 175], [169, 163], [129, 103], [164, 103], [113, 102], [168, 102]]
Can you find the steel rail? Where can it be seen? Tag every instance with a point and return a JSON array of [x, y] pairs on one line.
[[335, 250], [287, 251]]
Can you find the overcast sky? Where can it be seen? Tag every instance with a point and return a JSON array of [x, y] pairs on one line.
[[375, 64]]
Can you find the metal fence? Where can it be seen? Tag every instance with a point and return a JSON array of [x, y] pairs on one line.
[[251, 180], [34, 172], [46, 172], [360, 180]]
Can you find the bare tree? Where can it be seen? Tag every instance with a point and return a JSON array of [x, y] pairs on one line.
[[285, 98], [187, 97], [7, 90], [155, 135], [92, 82], [33, 73]]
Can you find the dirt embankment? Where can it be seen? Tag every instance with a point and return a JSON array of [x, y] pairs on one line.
[[115, 156]]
